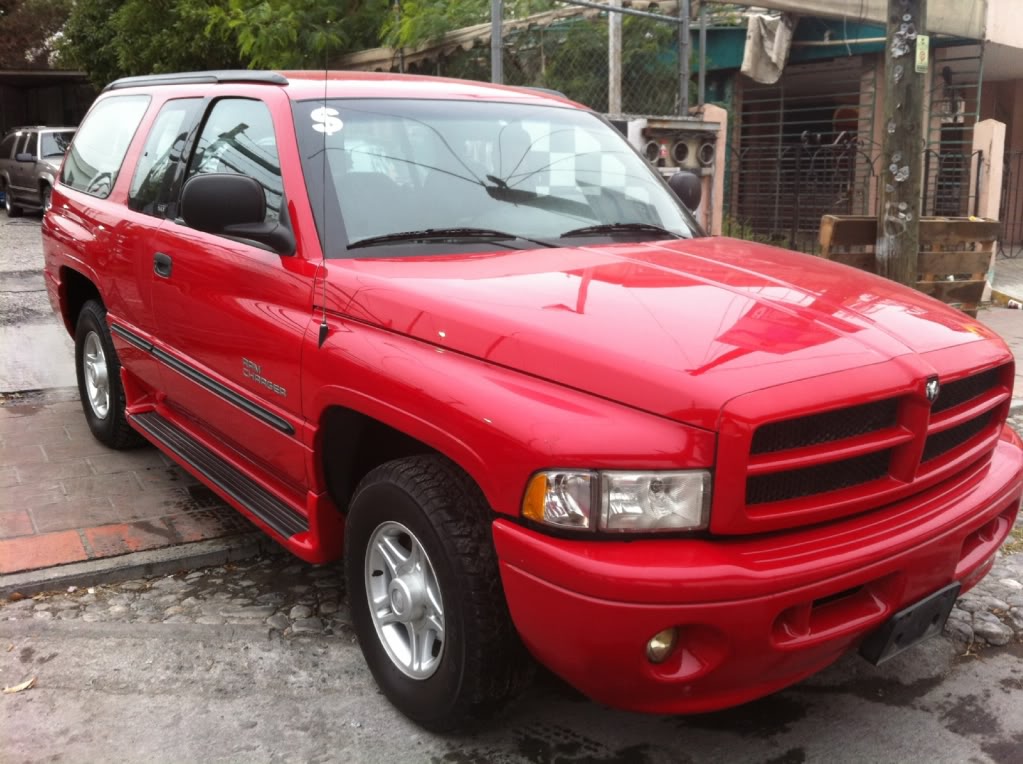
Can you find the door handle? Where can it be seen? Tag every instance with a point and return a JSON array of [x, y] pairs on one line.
[[162, 265]]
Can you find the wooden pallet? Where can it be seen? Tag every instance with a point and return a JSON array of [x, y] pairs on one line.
[[955, 253]]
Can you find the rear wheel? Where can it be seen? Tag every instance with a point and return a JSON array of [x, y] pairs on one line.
[[99, 380], [426, 596]]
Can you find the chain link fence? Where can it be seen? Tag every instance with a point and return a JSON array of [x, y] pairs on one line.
[[565, 48], [571, 56]]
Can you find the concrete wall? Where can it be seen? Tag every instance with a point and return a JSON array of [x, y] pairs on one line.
[[964, 18], [1003, 101], [1004, 24]]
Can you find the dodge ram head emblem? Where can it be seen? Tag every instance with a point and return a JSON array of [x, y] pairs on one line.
[[932, 389]]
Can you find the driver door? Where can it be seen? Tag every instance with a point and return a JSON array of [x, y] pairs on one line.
[[231, 314]]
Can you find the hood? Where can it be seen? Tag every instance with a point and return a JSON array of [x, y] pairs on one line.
[[674, 328]]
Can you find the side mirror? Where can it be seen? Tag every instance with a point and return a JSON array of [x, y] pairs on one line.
[[233, 205], [24, 156], [688, 187]]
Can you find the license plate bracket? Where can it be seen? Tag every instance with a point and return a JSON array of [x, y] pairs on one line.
[[911, 625]]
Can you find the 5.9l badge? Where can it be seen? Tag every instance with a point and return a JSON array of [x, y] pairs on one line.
[[254, 371]]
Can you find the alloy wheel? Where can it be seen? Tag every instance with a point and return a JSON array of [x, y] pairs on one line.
[[97, 382], [405, 600]]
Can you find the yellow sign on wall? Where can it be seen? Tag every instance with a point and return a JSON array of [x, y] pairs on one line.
[[923, 52]]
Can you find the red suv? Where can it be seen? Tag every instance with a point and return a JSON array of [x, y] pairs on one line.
[[465, 336]]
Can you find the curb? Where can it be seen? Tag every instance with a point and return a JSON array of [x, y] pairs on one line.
[[155, 562], [37, 396], [1002, 299]]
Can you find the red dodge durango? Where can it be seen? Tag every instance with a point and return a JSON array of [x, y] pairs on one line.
[[465, 337]]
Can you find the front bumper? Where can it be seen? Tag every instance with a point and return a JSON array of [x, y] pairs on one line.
[[755, 614]]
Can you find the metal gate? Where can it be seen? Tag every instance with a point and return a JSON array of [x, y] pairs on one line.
[[951, 167], [807, 146], [1011, 213], [802, 149]]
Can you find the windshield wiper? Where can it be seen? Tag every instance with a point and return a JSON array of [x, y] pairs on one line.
[[619, 228], [433, 234]]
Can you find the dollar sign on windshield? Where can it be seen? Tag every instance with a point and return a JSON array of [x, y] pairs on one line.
[[326, 120]]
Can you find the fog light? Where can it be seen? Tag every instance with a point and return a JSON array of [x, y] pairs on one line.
[[661, 644]]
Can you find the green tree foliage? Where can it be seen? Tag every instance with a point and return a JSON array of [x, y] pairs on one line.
[[283, 34], [116, 38], [157, 36], [423, 20], [29, 32]]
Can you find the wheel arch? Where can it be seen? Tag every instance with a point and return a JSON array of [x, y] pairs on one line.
[[45, 180], [76, 289], [351, 443]]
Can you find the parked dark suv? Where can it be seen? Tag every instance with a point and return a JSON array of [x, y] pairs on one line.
[[29, 160]]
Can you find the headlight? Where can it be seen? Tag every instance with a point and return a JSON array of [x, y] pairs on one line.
[[655, 501], [561, 498], [620, 502]]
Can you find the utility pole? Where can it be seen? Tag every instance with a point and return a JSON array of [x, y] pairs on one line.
[[906, 77], [614, 58], [497, 41], [683, 58]]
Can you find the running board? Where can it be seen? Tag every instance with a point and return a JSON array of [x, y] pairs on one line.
[[253, 497]]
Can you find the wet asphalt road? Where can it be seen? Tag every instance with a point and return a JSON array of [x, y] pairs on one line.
[[187, 693], [36, 349]]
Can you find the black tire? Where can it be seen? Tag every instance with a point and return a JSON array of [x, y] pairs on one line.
[[109, 427], [12, 209], [44, 194], [482, 662]]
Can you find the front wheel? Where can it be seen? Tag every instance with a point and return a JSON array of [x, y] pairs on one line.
[[12, 209], [99, 379], [426, 598]]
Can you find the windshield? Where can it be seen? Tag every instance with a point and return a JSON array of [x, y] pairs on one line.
[[55, 144], [535, 172]]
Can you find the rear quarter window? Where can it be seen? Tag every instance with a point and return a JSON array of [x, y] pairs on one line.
[[98, 150], [7, 146], [55, 144]]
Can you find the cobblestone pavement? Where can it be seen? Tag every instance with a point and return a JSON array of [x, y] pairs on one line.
[[21, 275], [276, 590], [992, 612]]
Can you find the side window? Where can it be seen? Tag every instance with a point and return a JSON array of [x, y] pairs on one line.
[[22, 143], [98, 150], [32, 145], [7, 146], [55, 144], [238, 137], [157, 169]]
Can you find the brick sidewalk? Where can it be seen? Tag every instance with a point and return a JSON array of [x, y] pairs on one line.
[[66, 498]]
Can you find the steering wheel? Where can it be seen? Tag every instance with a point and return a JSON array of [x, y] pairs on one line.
[[98, 182]]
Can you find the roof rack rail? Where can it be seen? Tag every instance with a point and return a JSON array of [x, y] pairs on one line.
[[199, 78], [548, 91]]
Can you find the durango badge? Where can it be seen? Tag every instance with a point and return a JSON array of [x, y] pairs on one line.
[[932, 389]]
